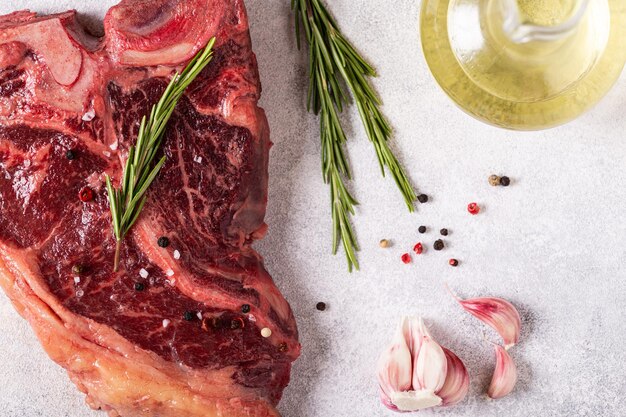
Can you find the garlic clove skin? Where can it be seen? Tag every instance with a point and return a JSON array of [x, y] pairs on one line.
[[498, 314], [504, 376], [430, 365], [394, 367], [457, 382], [415, 400]]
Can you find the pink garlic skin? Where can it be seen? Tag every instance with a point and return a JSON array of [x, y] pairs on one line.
[[504, 376], [457, 382], [498, 314], [415, 372]]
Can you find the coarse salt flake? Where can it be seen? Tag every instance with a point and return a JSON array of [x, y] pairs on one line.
[[166, 323], [176, 254], [143, 273], [197, 159], [170, 273], [89, 116], [76, 280], [107, 154], [199, 315], [80, 293]]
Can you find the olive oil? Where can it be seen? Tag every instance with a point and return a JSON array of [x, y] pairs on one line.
[[562, 68]]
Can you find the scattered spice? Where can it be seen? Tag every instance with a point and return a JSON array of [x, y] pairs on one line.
[[245, 309], [422, 198], [494, 180], [406, 258], [444, 232], [321, 306], [189, 315], [85, 194], [505, 181], [384, 243], [163, 242], [473, 208], [422, 229], [418, 248], [70, 155], [282, 347], [453, 262], [78, 269], [266, 332], [438, 245], [139, 286]]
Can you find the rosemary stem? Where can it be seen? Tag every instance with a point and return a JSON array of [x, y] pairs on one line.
[[116, 260]]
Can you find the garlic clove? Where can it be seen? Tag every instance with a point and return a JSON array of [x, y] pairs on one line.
[[498, 314], [504, 376], [394, 367], [456, 386], [415, 400], [430, 364]]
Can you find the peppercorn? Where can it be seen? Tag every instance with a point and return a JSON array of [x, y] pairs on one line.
[[422, 229], [282, 347], [139, 286], [384, 243], [444, 232], [406, 258], [245, 309], [422, 198], [494, 180], [77, 269], [189, 315], [321, 306], [505, 181], [70, 155], [85, 194], [163, 242], [453, 262], [473, 208], [438, 245], [418, 248]]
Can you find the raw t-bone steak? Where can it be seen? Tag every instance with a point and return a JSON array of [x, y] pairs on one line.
[[177, 332]]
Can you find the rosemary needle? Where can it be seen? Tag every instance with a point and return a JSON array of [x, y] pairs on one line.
[[127, 202], [333, 58]]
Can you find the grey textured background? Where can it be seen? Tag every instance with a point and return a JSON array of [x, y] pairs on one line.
[[554, 243]]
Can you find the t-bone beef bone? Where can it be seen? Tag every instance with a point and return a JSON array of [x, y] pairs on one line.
[[177, 331]]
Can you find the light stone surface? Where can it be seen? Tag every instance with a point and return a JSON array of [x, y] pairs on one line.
[[554, 242]]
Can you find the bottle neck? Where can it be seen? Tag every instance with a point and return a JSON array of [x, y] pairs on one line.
[[521, 26]]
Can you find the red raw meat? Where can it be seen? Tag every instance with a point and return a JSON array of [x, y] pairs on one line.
[[170, 335]]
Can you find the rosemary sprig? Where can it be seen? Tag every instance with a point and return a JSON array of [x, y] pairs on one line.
[[127, 202], [333, 58]]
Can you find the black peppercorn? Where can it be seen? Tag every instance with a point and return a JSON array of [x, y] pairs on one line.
[[163, 242], [422, 198], [505, 181], [139, 286], [422, 229], [189, 315], [71, 155], [438, 245], [444, 232], [321, 306], [245, 309]]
